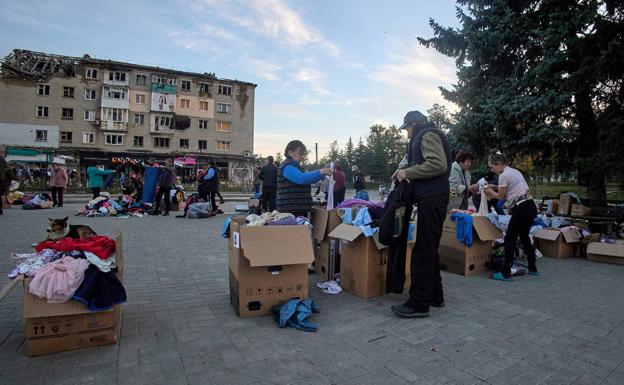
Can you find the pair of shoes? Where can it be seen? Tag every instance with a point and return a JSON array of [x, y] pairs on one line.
[[498, 276], [534, 273], [165, 214], [409, 311]]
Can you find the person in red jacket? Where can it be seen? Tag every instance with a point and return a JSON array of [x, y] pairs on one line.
[[340, 185]]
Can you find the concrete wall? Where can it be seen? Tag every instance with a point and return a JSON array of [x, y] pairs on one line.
[[13, 134]]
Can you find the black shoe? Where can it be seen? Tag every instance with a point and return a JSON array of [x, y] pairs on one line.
[[437, 301], [437, 304], [408, 311], [165, 214]]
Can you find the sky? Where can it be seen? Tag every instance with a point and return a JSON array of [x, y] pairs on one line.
[[326, 70]]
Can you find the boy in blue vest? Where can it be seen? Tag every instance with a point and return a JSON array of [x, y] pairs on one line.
[[428, 169], [294, 193]]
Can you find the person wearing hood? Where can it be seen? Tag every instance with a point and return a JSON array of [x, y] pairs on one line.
[[427, 167], [459, 180]]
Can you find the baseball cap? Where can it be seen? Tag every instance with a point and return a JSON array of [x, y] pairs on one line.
[[413, 117]]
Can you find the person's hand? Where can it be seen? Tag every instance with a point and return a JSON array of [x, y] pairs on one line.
[[326, 171], [394, 175], [401, 175]]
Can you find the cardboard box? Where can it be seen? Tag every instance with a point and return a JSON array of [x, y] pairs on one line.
[[555, 243], [579, 210], [324, 222], [565, 204], [326, 258], [253, 203], [455, 257], [607, 253], [268, 265], [58, 327], [363, 262]]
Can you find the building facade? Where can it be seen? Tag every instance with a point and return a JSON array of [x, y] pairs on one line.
[[122, 113]]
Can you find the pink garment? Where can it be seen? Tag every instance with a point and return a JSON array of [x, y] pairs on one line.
[[59, 177], [359, 202], [59, 280]]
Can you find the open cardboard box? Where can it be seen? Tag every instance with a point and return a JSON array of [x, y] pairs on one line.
[[579, 210], [555, 243], [268, 265], [326, 253], [363, 262], [58, 327], [607, 253], [455, 257]]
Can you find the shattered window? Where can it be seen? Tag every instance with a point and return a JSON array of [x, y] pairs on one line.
[[138, 141], [41, 135], [67, 113], [68, 92], [139, 119], [223, 146], [203, 124], [203, 144], [113, 139], [90, 94], [66, 137], [91, 73], [43, 89], [186, 85], [42, 111], [141, 80], [184, 143], [225, 90], [224, 108], [204, 87], [161, 142], [89, 115], [117, 76]]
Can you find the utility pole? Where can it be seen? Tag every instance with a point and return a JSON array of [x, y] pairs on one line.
[[316, 151]]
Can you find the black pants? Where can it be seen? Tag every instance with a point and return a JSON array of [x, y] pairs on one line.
[[96, 191], [166, 192], [220, 196], [339, 195], [426, 285], [57, 196], [212, 196], [522, 217], [269, 198]]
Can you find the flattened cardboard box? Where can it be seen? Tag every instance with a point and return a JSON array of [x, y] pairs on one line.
[[455, 257], [607, 253], [555, 243], [58, 327], [267, 265], [363, 262]]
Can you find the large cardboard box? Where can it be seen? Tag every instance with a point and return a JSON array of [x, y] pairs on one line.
[[565, 204], [607, 253], [363, 262], [555, 243], [455, 257], [579, 210], [58, 327], [268, 265], [326, 251], [324, 222]]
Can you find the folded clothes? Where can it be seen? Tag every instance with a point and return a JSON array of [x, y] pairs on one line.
[[100, 245]]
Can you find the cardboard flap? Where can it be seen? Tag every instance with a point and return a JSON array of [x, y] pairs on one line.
[[486, 231], [599, 248], [319, 219], [571, 236], [348, 233], [276, 245], [547, 234], [377, 242]]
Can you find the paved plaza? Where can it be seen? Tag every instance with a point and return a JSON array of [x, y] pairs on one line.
[[564, 327]]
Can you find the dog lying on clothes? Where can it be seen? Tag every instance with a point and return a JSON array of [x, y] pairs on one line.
[[57, 229]]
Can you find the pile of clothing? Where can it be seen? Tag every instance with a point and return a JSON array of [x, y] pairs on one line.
[[37, 201], [16, 197], [361, 213], [123, 207], [79, 269], [276, 218]]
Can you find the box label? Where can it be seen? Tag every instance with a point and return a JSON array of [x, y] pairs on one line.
[[236, 239]]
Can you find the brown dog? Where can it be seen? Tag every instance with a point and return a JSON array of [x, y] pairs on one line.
[[57, 229]]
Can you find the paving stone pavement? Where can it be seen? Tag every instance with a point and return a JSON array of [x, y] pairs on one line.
[[564, 327]]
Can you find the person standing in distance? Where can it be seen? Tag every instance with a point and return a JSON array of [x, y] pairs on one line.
[[268, 176]]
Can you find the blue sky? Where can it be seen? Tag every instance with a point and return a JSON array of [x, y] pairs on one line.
[[325, 70]]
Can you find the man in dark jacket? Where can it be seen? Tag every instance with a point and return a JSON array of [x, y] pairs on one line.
[[358, 179], [166, 181], [427, 169], [268, 176]]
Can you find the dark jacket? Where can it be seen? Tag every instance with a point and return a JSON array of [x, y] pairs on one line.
[[358, 181], [166, 177], [268, 175], [291, 197], [430, 165]]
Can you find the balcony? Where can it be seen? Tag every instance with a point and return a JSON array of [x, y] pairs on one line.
[[109, 125], [161, 131]]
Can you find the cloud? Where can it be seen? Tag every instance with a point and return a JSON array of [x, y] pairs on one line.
[[263, 68], [314, 78]]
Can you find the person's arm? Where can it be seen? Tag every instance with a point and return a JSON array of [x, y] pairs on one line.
[[65, 179], [500, 194], [293, 174], [261, 174], [435, 159], [454, 182], [210, 174], [103, 172]]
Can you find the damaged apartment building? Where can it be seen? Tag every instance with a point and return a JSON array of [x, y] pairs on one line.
[[124, 114]]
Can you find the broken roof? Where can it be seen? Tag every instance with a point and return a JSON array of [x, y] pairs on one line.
[[41, 66]]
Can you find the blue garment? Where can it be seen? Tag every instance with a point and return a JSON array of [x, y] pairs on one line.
[[410, 234], [225, 231], [115, 205], [257, 195], [293, 174], [500, 206], [296, 313], [362, 194], [210, 174], [363, 221], [463, 227], [347, 218]]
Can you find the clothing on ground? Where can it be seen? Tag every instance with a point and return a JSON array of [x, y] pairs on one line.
[[296, 313]]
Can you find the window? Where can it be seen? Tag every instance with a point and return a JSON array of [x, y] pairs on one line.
[[41, 135], [89, 115], [141, 80], [185, 103], [115, 114], [138, 141], [43, 89], [163, 79], [186, 85], [203, 106], [66, 136], [140, 99], [67, 113], [162, 122], [117, 76], [223, 126], [88, 137], [184, 143], [223, 146], [204, 87], [203, 144], [203, 124], [114, 93], [139, 119], [114, 139], [90, 94], [91, 73], [224, 108], [161, 142], [68, 92], [225, 90], [42, 111]]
